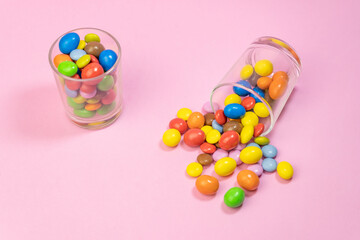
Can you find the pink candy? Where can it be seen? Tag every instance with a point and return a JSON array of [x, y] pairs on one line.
[[235, 154], [256, 168], [219, 154]]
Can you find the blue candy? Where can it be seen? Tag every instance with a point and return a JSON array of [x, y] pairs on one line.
[[107, 59], [253, 145], [234, 111], [69, 42], [76, 54], [239, 91], [217, 126], [269, 164], [258, 91], [71, 93], [269, 151]]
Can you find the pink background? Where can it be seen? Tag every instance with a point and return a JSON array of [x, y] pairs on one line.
[[58, 181]]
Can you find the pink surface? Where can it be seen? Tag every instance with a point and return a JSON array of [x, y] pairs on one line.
[[58, 181]]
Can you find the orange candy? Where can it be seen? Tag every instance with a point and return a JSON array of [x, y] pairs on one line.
[[92, 107], [278, 85], [259, 129], [264, 82], [207, 185], [248, 180], [61, 58], [196, 120]]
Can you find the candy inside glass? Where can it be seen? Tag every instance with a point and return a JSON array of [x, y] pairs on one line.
[[107, 114]]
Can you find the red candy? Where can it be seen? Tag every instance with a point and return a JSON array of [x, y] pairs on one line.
[[87, 88], [229, 140], [109, 97], [208, 148], [73, 85], [90, 71], [179, 124], [248, 103], [194, 137], [220, 117], [93, 59], [259, 129]]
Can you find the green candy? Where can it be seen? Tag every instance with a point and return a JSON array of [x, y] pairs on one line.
[[73, 104], [105, 109], [68, 68], [106, 84], [234, 197], [84, 113]]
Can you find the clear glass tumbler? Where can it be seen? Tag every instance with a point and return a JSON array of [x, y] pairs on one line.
[[107, 113], [283, 58]]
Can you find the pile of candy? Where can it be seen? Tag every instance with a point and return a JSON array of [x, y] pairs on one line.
[[85, 59], [225, 136]]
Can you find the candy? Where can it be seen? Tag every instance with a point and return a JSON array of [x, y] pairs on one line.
[[73, 85], [233, 126], [258, 91], [106, 83], [70, 93], [99, 95], [105, 109], [280, 75], [107, 59], [263, 67], [213, 136], [84, 113], [253, 145], [196, 120], [92, 70], [219, 154], [246, 133], [83, 61], [248, 103], [229, 140], [92, 106], [73, 104], [94, 48], [81, 45], [92, 37], [234, 197], [178, 124], [87, 88], [76, 54], [269, 164], [256, 168], [194, 137], [262, 141], [248, 180], [93, 59], [194, 169], [217, 126], [61, 58], [261, 110], [67, 68], [184, 113], [250, 118], [88, 95], [225, 166], [242, 92], [206, 129], [234, 111], [207, 185], [208, 109], [264, 82], [232, 98], [235, 154], [204, 159], [79, 99], [109, 97], [220, 117], [269, 151], [69, 42], [246, 71], [207, 148], [209, 117], [285, 170], [171, 137], [250, 155], [259, 129], [278, 85]]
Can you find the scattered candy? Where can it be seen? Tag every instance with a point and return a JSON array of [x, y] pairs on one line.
[[248, 180], [269, 151], [235, 154], [248, 103], [171, 137], [178, 124], [233, 126], [234, 197], [217, 126], [258, 129], [194, 169], [213, 136], [254, 145], [184, 113], [261, 110], [207, 185], [246, 133], [250, 155], [250, 118], [262, 141], [225, 166], [220, 117], [269, 164], [234, 111], [209, 117], [232, 98], [194, 137], [256, 168], [205, 159], [229, 140], [196, 120], [219, 154], [285, 170], [208, 148]]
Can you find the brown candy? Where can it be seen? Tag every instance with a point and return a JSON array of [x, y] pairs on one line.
[[205, 159], [233, 126], [94, 48], [209, 117]]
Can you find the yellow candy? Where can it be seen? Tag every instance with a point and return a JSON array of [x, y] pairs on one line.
[[184, 113], [246, 133], [261, 110], [250, 155], [92, 37], [263, 68], [194, 169], [285, 170], [83, 61], [262, 141], [79, 99], [213, 136], [93, 100], [225, 166], [246, 71], [206, 129], [96, 123], [171, 137], [250, 118], [62, 81], [81, 45], [232, 98]]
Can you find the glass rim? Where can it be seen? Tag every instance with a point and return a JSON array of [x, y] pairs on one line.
[[87, 79]]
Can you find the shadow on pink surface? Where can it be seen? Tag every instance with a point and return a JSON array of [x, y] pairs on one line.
[[200, 196]]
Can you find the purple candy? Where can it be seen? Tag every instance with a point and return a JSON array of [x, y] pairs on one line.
[[88, 95], [71, 93], [207, 107], [256, 168], [219, 154], [235, 154], [240, 146]]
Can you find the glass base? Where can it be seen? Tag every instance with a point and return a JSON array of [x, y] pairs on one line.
[[97, 125]]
